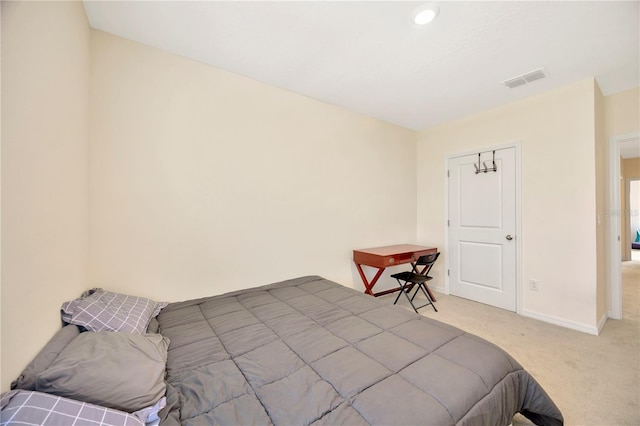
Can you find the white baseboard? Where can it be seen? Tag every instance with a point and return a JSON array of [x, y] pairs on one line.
[[589, 329], [612, 316], [603, 321], [562, 322], [438, 288]]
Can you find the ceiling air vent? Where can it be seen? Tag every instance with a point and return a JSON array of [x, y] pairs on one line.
[[525, 78], [514, 82]]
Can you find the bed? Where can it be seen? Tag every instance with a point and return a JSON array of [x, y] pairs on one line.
[[306, 351]]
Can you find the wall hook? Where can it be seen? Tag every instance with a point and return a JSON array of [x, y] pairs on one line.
[[481, 167]]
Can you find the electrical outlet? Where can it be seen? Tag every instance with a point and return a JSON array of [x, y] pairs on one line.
[[534, 285]]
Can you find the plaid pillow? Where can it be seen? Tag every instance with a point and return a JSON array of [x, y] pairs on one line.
[[99, 310], [35, 408]]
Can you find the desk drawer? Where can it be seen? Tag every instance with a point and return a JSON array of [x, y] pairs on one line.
[[400, 258]]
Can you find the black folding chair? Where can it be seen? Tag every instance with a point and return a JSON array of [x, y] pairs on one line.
[[409, 279]]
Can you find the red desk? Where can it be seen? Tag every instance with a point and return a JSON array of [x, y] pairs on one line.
[[382, 257]]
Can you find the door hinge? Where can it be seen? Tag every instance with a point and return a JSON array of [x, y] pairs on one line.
[[447, 272], [447, 173], [448, 222]]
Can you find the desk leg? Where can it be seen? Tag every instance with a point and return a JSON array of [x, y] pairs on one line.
[[433, 298], [369, 286]]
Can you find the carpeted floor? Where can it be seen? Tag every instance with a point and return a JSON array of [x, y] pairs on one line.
[[594, 380]]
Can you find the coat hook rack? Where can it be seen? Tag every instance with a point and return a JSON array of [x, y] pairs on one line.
[[482, 168]]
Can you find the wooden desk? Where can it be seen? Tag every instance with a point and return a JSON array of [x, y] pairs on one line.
[[382, 257]]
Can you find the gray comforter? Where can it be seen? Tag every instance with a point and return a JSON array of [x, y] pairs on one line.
[[310, 351]]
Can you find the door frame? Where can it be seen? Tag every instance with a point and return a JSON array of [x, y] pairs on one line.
[[627, 215], [518, 207], [614, 287]]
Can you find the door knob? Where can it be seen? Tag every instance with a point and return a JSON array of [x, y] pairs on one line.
[[509, 237]]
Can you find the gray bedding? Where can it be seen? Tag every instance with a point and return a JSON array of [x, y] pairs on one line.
[[310, 351]]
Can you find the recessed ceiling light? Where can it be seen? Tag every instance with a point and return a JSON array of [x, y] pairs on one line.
[[425, 14]]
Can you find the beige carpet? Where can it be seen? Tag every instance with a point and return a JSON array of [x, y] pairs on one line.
[[594, 380]]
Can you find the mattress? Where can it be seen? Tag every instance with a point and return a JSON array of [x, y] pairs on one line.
[[310, 351]]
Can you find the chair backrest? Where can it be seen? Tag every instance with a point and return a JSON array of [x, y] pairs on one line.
[[426, 262]]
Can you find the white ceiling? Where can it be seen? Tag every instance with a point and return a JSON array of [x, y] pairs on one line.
[[369, 57]]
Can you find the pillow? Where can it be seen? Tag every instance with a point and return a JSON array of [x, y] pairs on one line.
[[99, 310], [637, 236], [22, 408], [123, 371], [27, 380]]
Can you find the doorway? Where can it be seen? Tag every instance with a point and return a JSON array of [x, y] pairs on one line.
[[619, 147], [632, 210]]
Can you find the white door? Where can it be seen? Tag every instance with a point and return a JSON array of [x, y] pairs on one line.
[[482, 226]]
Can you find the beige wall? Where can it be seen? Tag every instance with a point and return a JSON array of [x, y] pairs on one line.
[[630, 168], [622, 112], [602, 179], [557, 132], [45, 86], [203, 181], [2, 384]]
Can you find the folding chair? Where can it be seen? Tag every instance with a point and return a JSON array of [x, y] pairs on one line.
[[409, 279]]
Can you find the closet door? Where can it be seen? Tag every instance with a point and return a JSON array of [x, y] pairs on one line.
[[482, 226]]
